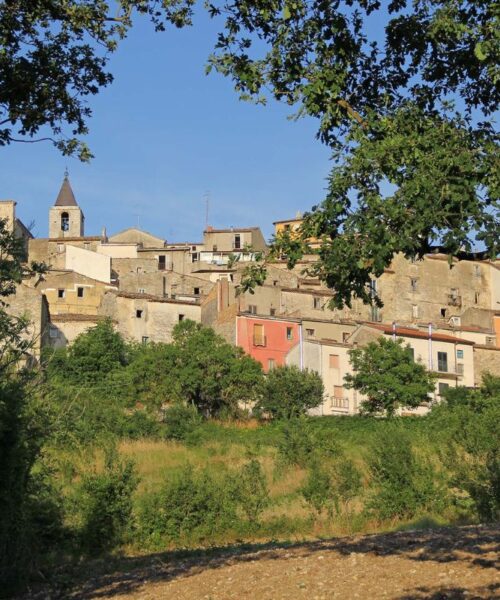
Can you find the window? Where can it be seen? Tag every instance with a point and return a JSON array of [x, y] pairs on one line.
[[476, 298], [194, 257], [161, 262], [490, 341], [53, 332], [334, 361], [275, 282], [460, 353], [64, 221], [86, 245], [271, 363], [252, 309], [61, 293], [443, 313], [345, 336], [145, 339], [411, 351], [259, 339], [138, 314], [477, 270], [316, 302], [141, 290], [79, 292], [310, 332], [272, 312], [414, 311], [60, 248], [196, 291], [181, 318], [214, 248], [237, 241], [442, 388], [287, 227], [414, 284], [338, 391], [289, 333], [443, 362], [460, 369]]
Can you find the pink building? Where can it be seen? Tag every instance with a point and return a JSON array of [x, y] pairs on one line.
[[267, 339]]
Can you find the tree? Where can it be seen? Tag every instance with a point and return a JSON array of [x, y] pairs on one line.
[[216, 377], [402, 91], [291, 392], [386, 373]]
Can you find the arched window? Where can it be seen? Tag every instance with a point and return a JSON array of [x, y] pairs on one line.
[[64, 221]]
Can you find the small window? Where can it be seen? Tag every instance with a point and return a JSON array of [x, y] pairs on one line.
[[61, 293], [138, 314], [334, 361], [252, 309], [310, 332], [411, 352], [272, 312], [53, 332], [414, 311], [181, 318], [289, 333], [460, 353], [338, 391], [460, 369], [79, 292], [194, 257], [414, 284], [287, 227], [196, 291], [161, 262], [317, 302], [275, 282], [60, 248], [345, 336], [476, 298], [214, 248], [145, 339], [271, 363], [237, 241], [443, 313], [86, 245], [443, 362], [141, 291]]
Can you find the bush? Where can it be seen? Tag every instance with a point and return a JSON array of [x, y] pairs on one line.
[[253, 493], [190, 506], [301, 442], [405, 484], [180, 421], [290, 392], [105, 504]]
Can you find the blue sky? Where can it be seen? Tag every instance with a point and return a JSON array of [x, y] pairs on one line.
[[163, 134]]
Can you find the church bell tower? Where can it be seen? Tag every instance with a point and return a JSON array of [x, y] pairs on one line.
[[66, 218]]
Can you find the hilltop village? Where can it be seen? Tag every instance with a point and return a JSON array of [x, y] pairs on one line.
[[449, 316]]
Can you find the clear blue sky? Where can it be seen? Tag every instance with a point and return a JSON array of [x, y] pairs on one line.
[[163, 134]]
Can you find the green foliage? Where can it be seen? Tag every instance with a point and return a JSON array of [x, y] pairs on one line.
[[105, 504], [386, 373], [406, 484], [253, 492], [468, 423], [191, 505], [290, 392], [180, 420]]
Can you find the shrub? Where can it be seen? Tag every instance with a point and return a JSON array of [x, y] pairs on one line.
[[180, 420], [290, 392], [317, 490], [191, 505], [105, 504], [297, 444], [405, 484], [253, 493]]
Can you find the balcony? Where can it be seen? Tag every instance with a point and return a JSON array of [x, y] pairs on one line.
[[342, 403], [260, 340]]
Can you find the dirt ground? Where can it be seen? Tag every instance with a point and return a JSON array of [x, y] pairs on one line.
[[449, 563]]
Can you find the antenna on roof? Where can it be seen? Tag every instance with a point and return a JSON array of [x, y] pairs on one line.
[[206, 196], [66, 172]]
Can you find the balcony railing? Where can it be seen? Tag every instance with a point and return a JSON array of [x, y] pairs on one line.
[[259, 340], [340, 403]]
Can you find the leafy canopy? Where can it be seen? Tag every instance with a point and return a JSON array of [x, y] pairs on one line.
[[385, 372], [403, 92]]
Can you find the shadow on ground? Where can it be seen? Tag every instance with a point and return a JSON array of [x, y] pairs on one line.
[[112, 577]]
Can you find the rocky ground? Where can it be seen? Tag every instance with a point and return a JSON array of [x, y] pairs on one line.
[[448, 563]]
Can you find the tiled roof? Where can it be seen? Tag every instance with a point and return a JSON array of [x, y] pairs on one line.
[[66, 196], [416, 333]]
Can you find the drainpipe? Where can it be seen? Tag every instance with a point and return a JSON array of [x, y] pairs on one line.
[[301, 348], [430, 346], [394, 331], [236, 332]]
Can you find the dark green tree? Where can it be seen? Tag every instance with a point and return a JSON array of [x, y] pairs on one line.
[[291, 392], [385, 372]]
